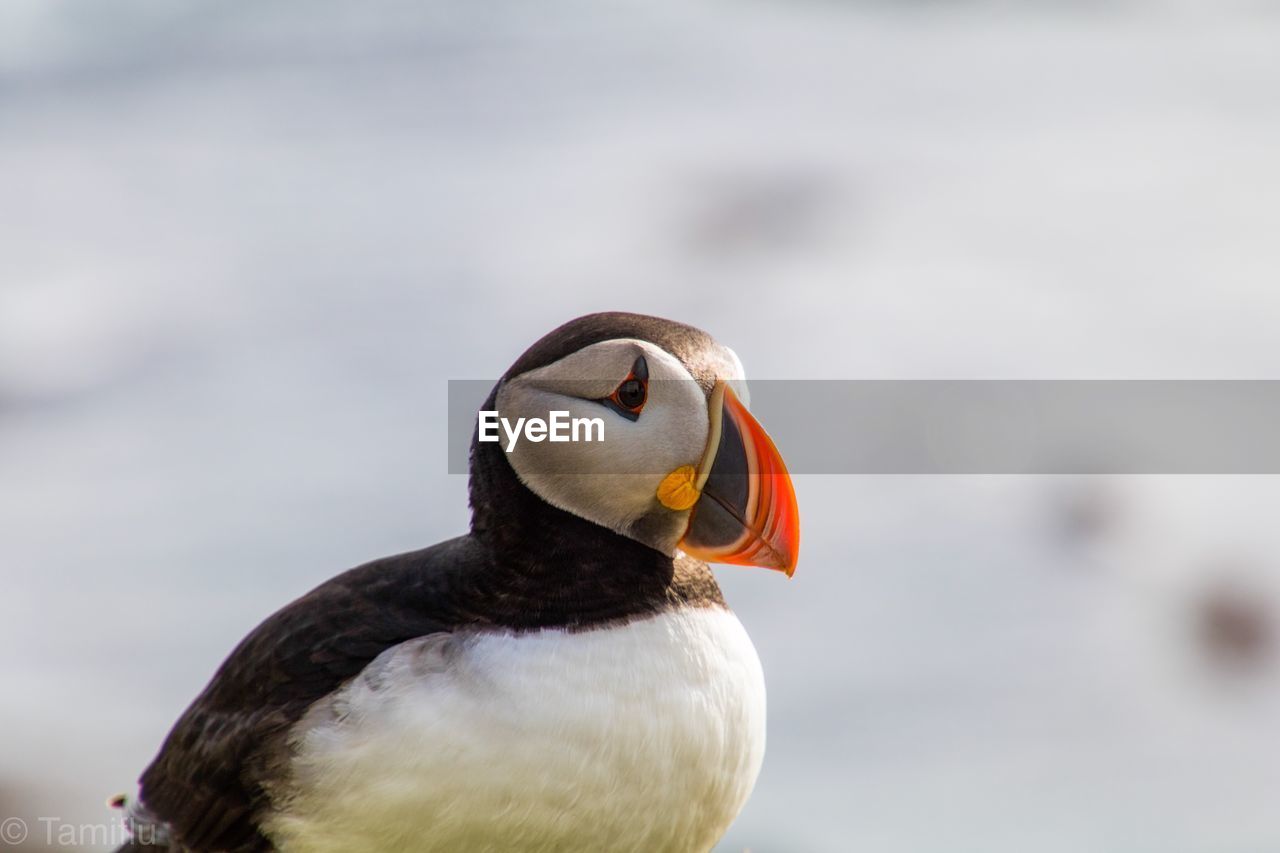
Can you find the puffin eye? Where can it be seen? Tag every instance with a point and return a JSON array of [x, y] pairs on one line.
[[629, 397], [630, 394]]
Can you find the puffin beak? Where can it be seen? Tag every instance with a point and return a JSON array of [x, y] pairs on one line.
[[746, 511]]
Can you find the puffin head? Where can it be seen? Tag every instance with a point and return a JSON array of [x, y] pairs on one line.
[[666, 453]]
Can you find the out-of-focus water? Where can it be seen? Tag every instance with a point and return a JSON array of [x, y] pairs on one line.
[[243, 246]]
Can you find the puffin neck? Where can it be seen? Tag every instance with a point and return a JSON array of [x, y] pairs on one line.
[[551, 567]]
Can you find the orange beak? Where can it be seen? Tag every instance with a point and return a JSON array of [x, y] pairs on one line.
[[746, 514]]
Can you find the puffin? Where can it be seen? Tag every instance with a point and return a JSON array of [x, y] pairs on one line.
[[565, 677]]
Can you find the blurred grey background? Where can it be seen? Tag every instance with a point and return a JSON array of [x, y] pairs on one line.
[[243, 247]]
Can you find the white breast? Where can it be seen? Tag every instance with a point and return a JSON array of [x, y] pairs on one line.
[[642, 737]]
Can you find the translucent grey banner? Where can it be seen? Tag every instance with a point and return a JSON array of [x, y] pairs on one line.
[[990, 427]]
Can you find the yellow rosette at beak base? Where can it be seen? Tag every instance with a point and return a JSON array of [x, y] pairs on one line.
[[677, 490]]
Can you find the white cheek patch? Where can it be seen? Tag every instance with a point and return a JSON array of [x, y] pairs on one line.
[[613, 481]]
